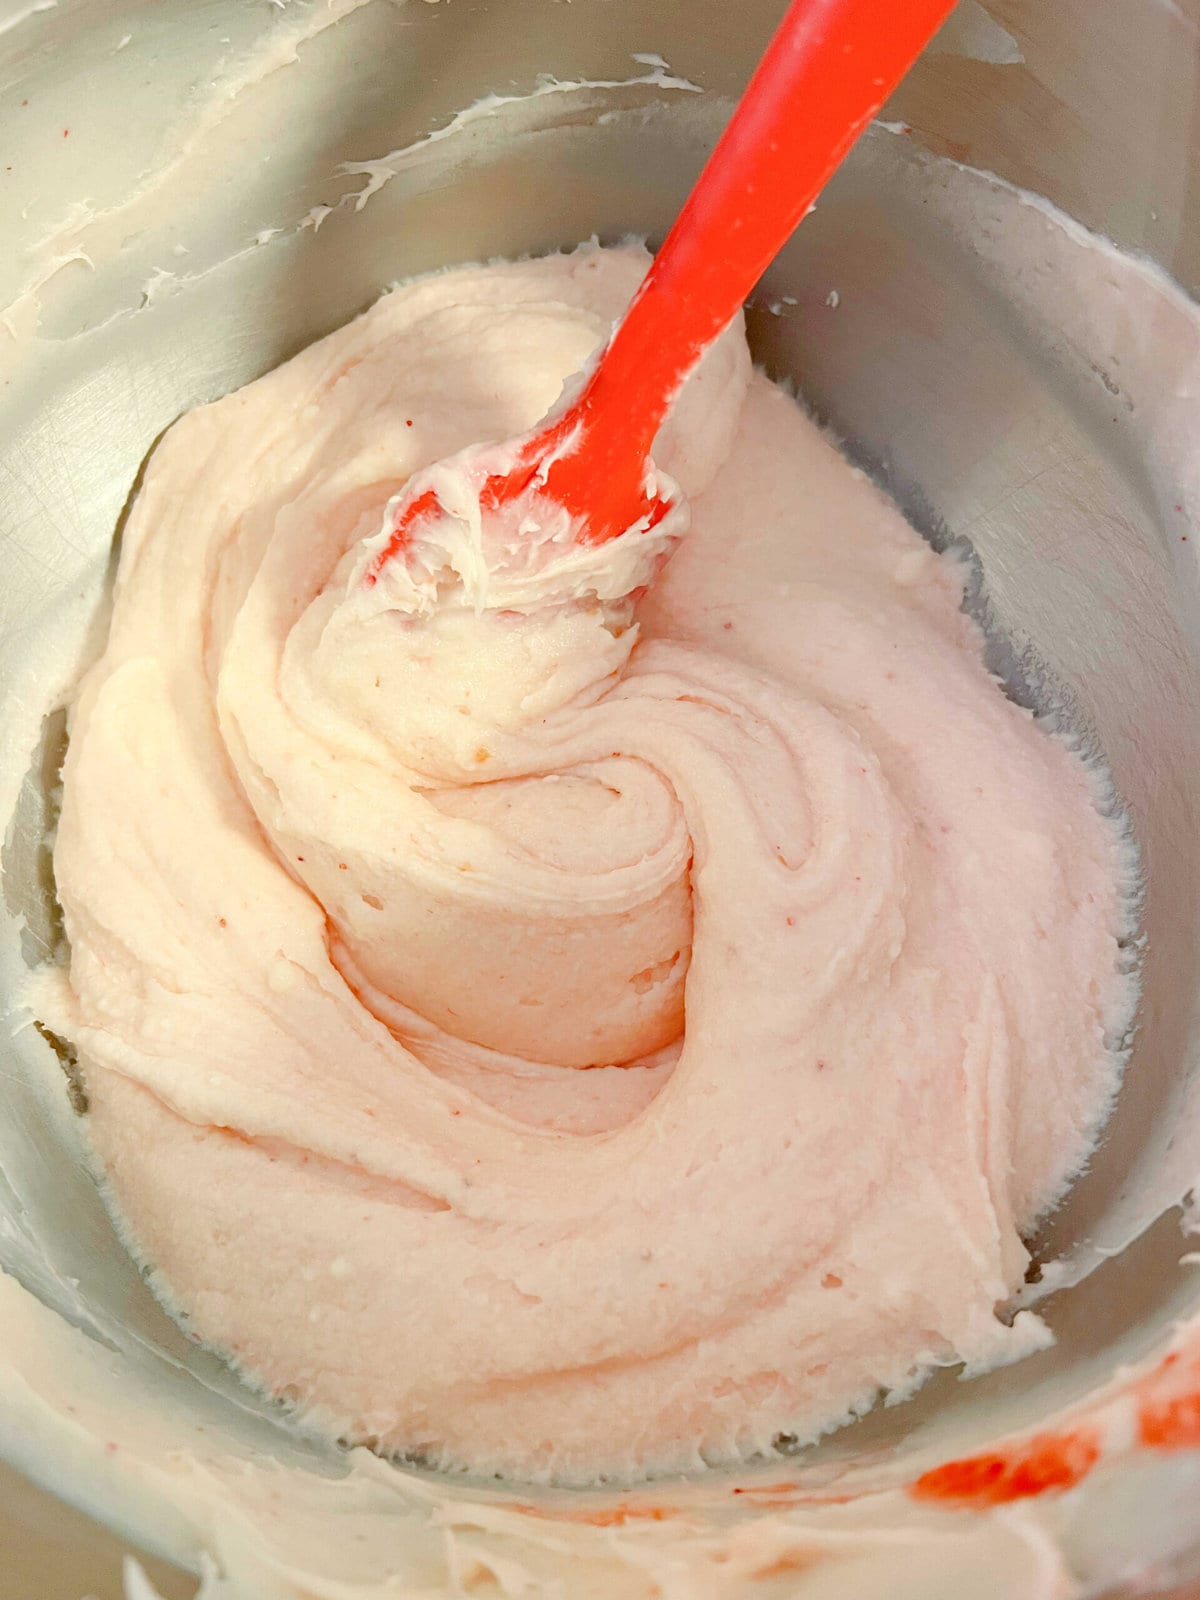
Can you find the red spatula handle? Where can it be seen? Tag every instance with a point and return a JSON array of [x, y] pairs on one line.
[[825, 74]]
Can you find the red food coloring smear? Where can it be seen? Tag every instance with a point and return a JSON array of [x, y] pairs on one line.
[[1171, 1424], [1047, 1462], [784, 1496], [610, 1517], [791, 922], [1169, 1405], [66, 131]]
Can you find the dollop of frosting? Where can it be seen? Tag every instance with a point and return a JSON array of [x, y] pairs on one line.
[[566, 1012]]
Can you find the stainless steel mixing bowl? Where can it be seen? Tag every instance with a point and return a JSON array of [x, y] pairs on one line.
[[901, 329]]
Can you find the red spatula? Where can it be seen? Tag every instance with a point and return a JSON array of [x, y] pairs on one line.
[[826, 72]]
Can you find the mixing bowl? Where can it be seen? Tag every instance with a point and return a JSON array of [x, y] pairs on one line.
[[194, 190]]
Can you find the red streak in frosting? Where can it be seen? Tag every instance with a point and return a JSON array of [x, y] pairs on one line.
[[1048, 1461], [603, 1517], [1169, 1405]]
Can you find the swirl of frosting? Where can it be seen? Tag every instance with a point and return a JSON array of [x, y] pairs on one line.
[[558, 1012]]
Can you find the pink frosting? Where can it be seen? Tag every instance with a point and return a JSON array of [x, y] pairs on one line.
[[357, 880]]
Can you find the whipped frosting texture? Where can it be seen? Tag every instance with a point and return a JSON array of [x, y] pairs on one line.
[[571, 1016]]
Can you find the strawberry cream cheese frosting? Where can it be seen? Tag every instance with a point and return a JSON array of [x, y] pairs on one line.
[[570, 1012]]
